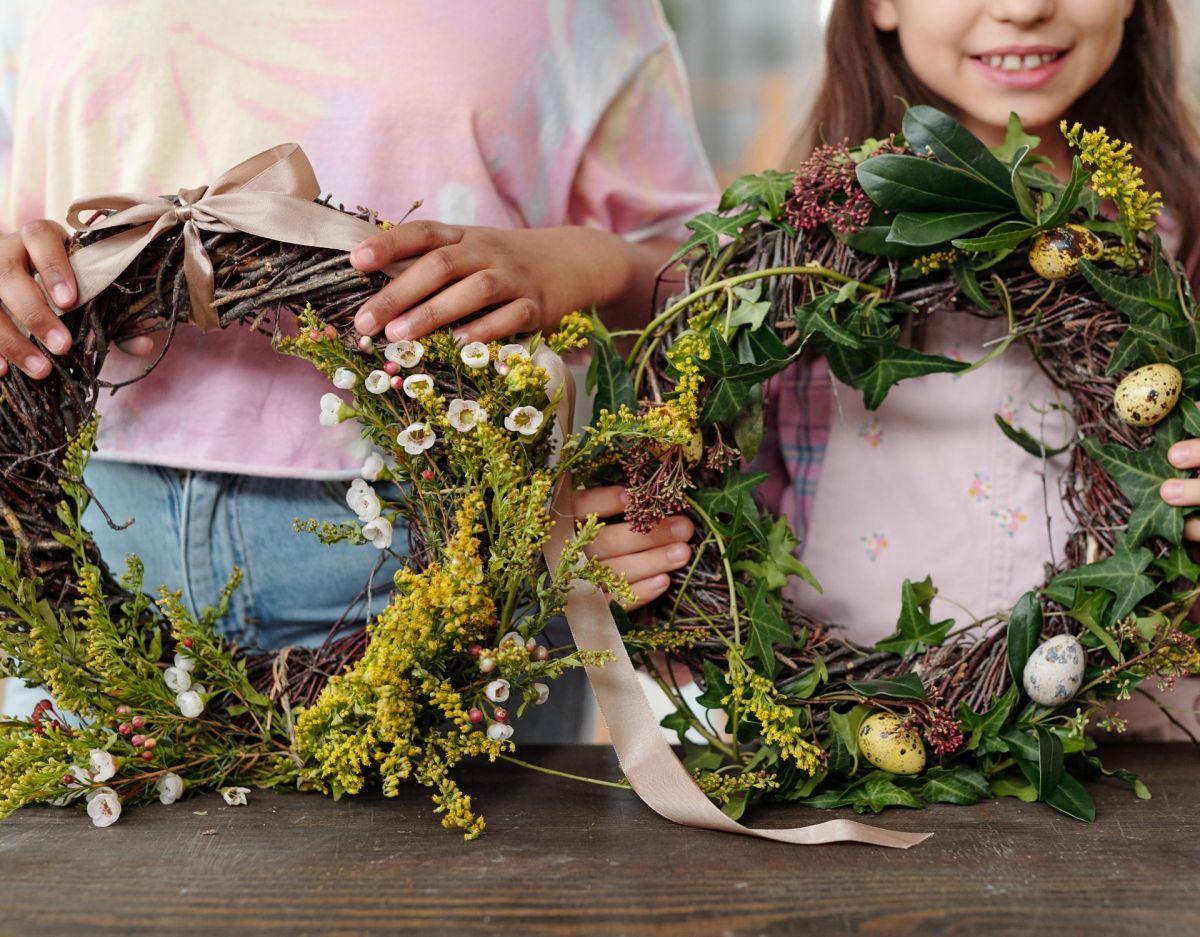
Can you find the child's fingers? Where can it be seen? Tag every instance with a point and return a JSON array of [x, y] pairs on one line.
[[620, 540], [647, 590], [603, 501], [1191, 529], [1185, 454], [45, 241], [426, 276], [1181, 492], [479, 289], [521, 315], [650, 563], [404, 240]]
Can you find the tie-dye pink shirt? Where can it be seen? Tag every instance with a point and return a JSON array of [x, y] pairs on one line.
[[506, 114]]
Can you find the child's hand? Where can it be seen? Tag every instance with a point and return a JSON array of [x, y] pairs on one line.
[[1184, 492], [534, 277], [40, 247], [645, 559]]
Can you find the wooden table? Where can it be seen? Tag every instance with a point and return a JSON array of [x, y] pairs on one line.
[[562, 857]]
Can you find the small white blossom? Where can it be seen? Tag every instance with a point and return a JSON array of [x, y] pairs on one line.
[[103, 806], [417, 384], [465, 415], [378, 532], [169, 787], [506, 352], [378, 382], [406, 354], [186, 663], [103, 765], [177, 679], [235, 796], [543, 693], [524, 420], [513, 637], [497, 691], [499, 732], [417, 438], [344, 378], [372, 468], [475, 355], [364, 502], [334, 410], [190, 703]]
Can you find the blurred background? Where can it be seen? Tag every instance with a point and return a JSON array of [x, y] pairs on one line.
[[753, 66]]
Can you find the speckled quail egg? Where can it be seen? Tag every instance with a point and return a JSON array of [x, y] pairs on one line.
[[1054, 671], [1148, 394], [888, 744], [1055, 254]]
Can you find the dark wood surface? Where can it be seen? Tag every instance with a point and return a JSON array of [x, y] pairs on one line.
[[562, 857]]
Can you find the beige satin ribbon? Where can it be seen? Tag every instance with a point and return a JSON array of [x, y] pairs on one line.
[[653, 769], [269, 195]]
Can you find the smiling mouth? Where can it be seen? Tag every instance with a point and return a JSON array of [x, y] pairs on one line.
[[1014, 62]]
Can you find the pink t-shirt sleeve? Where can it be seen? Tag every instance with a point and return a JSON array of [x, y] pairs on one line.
[[643, 172]]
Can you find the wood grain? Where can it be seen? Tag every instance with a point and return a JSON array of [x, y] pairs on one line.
[[566, 858]]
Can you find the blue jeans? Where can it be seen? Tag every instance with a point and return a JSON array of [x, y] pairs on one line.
[[192, 528]]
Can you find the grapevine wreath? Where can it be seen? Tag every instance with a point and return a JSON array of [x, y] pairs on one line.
[[844, 259]]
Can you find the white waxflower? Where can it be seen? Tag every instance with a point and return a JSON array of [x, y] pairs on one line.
[[364, 502], [103, 765], [372, 468], [417, 438], [512, 636], [378, 532], [177, 679], [334, 410], [185, 663], [499, 732], [344, 378], [543, 693], [235, 796], [465, 415], [506, 352], [417, 384], [497, 691], [524, 420], [378, 382], [475, 355], [406, 354], [103, 806], [169, 787], [190, 703]]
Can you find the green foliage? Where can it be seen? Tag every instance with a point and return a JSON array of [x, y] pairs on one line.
[[915, 631]]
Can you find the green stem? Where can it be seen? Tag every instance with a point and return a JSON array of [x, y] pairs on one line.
[[622, 785]]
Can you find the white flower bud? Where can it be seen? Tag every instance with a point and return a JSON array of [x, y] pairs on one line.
[[378, 382], [465, 415], [169, 787], [378, 532], [497, 691], [364, 502], [499, 732], [524, 420], [372, 468], [475, 355], [486, 664], [190, 704], [103, 806], [417, 384], [344, 378], [334, 410], [103, 765], [506, 353], [177, 680], [185, 663], [543, 693], [406, 354]]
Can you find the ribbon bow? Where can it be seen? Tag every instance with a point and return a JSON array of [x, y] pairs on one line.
[[269, 195]]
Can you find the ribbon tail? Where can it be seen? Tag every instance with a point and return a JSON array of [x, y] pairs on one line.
[[198, 271]]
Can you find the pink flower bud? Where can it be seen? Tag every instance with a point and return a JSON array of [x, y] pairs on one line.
[[475, 650], [137, 741], [541, 653], [68, 779], [122, 710], [500, 714], [531, 645], [146, 756], [397, 382], [365, 344], [138, 721], [475, 715], [391, 367], [150, 743], [314, 335], [123, 728], [330, 332], [188, 643], [427, 474]]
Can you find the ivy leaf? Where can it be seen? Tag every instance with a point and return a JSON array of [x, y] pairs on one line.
[[877, 791], [708, 229], [715, 687], [608, 379], [778, 561], [730, 380], [767, 191], [1024, 629], [1178, 565], [731, 507], [1015, 138], [813, 317], [914, 630], [1139, 473], [677, 722], [806, 685], [1134, 296], [956, 785], [882, 363], [750, 310], [983, 729], [908, 687], [766, 625], [1122, 574], [846, 726]]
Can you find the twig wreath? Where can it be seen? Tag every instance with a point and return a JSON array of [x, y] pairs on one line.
[[841, 259]]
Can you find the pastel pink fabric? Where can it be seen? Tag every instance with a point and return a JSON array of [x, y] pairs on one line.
[[512, 115]]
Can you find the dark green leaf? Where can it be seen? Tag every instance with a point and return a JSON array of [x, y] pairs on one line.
[[708, 229], [1139, 789], [814, 317], [766, 626], [1004, 237], [677, 722], [928, 128], [1070, 798], [878, 791], [1039, 755], [907, 687], [955, 785], [1178, 565], [1130, 295], [1122, 574], [715, 687], [1011, 785], [1027, 441], [609, 379], [846, 726], [767, 190], [914, 630], [777, 562], [880, 364], [730, 380], [926, 229], [1024, 629], [1068, 199], [983, 729], [909, 183], [968, 281], [748, 427], [1015, 139]]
